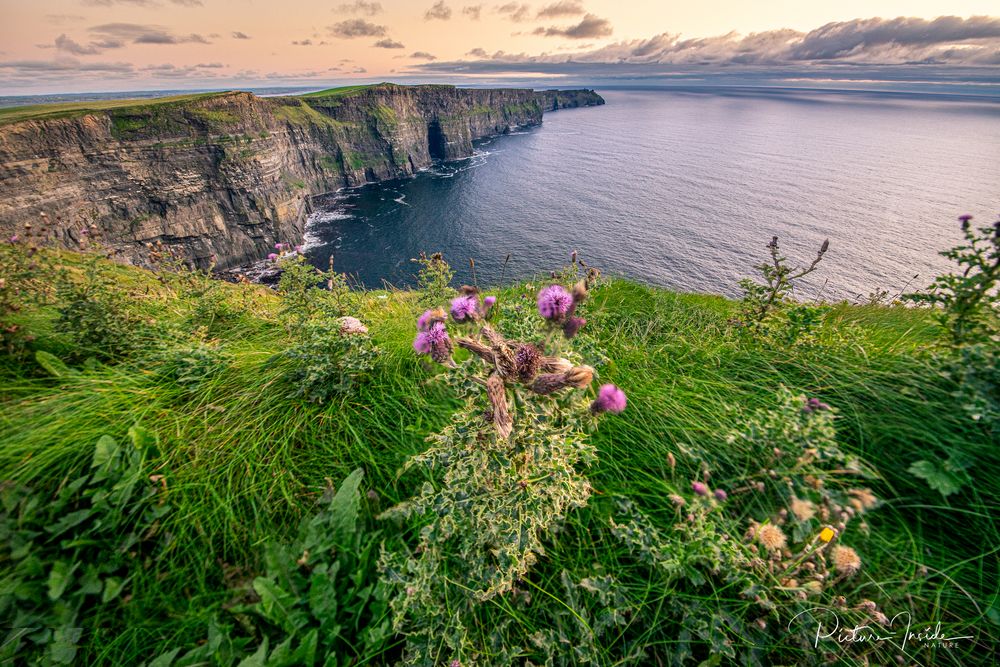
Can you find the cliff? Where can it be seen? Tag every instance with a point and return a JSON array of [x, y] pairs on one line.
[[231, 174]]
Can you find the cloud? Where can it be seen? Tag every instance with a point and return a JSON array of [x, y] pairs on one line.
[[143, 34], [892, 49], [388, 43], [423, 55], [357, 28], [562, 8], [588, 28], [477, 52], [472, 11], [240, 35], [302, 42], [514, 11], [64, 43], [360, 7], [438, 10]]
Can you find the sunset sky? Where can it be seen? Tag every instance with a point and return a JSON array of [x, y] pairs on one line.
[[115, 45]]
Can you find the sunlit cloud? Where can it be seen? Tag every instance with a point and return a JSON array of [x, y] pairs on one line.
[[357, 28], [439, 11]]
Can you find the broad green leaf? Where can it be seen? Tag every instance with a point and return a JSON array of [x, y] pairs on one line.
[[112, 587], [943, 481], [258, 659], [52, 364], [59, 577], [105, 450], [142, 438], [164, 659]]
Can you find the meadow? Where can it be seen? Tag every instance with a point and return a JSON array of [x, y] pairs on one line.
[[187, 481]]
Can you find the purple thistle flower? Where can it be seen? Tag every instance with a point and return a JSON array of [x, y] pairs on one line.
[[14, 239], [699, 488], [489, 301], [609, 399], [279, 246], [424, 321], [435, 342], [814, 404], [721, 495], [464, 307], [965, 217], [272, 256], [554, 302], [573, 326], [422, 343]]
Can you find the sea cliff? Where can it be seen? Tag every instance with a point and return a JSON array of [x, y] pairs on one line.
[[230, 174]]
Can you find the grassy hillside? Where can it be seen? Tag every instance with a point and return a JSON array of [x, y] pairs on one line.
[[74, 109], [241, 459]]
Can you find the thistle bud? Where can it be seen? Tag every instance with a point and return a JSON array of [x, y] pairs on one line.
[[549, 383], [528, 360], [580, 376]]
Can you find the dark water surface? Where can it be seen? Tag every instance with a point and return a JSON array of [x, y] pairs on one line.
[[684, 189]]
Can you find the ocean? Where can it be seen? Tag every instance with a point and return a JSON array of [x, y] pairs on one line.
[[684, 189]]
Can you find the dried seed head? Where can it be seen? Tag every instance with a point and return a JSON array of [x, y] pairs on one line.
[[579, 292], [802, 509], [771, 537], [528, 359], [845, 560], [498, 400]]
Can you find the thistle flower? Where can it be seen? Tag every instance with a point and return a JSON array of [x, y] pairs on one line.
[[528, 360], [845, 560], [464, 307], [554, 302], [572, 326], [965, 217], [279, 246], [435, 342], [802, 509], [429, 317], [609, 399], [350, 326], [272, 257], [771, 537], [721, 495], [699, 488], [488, 302]]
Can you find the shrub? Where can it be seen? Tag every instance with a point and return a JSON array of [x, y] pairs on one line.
[[190, 366], [434, 279], [26, 276], [762, 302], [330, 357], [508, 466]]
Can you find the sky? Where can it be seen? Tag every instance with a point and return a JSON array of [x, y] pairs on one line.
[[64, 46]]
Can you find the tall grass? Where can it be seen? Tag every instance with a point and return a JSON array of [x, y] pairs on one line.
[[247, 459]]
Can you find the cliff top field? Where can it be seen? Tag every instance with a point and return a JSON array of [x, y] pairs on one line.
[[178, 456]]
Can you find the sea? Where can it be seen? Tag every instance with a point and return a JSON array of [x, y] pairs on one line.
[[684, 188]]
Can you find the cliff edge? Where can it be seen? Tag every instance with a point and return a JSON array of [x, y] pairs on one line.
[[231, 174]]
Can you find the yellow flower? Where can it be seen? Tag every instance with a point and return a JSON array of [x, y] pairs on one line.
[[827, 534]]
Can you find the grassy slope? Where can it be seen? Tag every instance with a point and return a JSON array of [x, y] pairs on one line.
[[74, 109], [245, 458]]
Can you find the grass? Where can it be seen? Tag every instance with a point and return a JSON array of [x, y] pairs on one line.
[[76, 109], [246, 460]]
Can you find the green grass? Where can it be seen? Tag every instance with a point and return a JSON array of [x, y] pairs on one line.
[[76, 109], [245, 459]]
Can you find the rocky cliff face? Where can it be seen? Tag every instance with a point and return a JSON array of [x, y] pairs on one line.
[[232, 174]]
